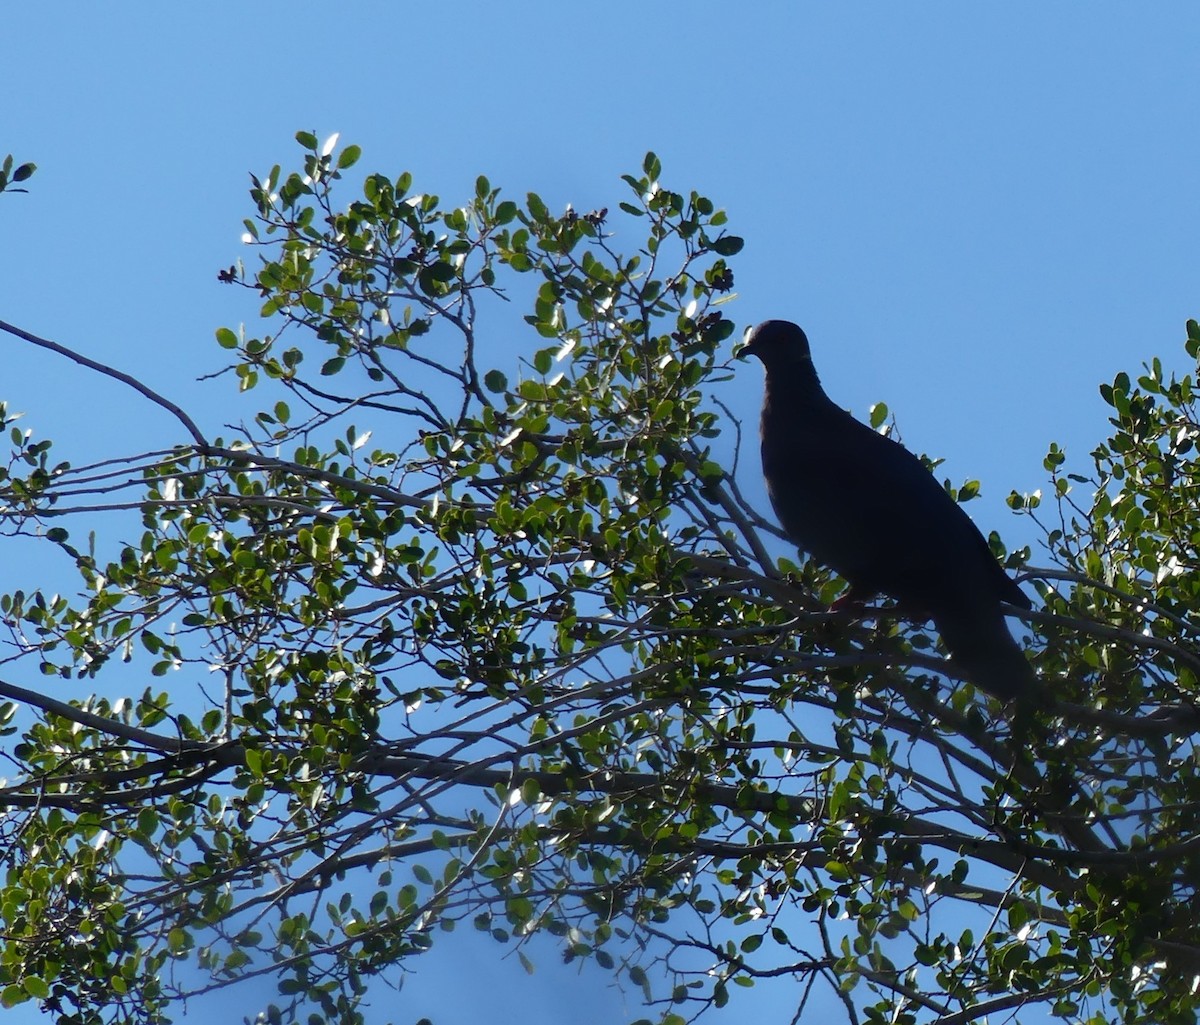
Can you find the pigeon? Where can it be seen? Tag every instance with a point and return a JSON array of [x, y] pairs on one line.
[[866, 507]]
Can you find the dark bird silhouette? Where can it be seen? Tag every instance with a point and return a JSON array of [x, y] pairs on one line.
[[868, 508]]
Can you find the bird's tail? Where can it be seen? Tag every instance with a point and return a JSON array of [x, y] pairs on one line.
[[984, 651]]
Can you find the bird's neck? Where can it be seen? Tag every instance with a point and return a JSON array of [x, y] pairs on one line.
[[793, 386]]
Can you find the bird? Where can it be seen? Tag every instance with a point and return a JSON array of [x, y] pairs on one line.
[[863, 505]]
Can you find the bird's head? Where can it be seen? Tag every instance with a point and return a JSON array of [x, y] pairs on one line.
[[777, 343]]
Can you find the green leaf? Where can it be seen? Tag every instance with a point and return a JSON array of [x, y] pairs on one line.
[[35, 986], [226, 339], [727, 245], [537, 209], [441, 271], [349, 157]]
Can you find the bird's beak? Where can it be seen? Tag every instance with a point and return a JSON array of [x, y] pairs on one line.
[[747, 347]]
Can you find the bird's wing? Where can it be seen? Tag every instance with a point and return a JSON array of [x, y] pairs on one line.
[[874, 513]]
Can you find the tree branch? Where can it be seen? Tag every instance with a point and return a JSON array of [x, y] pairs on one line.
[[116, 375]]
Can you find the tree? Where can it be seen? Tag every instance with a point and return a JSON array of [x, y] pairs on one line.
[[473, 624]]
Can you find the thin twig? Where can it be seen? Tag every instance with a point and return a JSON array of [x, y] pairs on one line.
[[116, 375]]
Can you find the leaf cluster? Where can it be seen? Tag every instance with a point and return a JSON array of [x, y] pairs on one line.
[[469, 623]]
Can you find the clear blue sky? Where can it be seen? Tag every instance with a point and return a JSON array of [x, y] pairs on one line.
[[978, 212]]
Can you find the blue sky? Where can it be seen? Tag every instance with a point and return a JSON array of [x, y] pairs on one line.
[[978, 212]]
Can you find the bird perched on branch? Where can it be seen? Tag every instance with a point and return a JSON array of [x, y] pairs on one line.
[[866, 507]]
